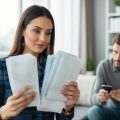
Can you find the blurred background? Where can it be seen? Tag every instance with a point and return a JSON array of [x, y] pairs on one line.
[[84, 28]]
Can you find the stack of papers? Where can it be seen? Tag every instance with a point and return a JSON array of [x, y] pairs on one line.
[[20, 71], [60, 69]]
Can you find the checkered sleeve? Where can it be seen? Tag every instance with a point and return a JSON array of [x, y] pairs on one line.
[[1, 84]]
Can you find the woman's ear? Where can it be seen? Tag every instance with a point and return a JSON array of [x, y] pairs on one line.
[[23, 33]]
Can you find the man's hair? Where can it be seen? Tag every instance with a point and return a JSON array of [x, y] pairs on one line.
[[116, 39]]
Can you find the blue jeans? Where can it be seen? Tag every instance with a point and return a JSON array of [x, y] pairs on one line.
[[104, 113]]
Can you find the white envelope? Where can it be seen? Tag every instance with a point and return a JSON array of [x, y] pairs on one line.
[[22, 71], [47, 104], [64, 68], [50, 105]]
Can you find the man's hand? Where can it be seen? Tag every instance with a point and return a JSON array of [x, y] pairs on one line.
[[16, 103], [115, 94], [103, 95]]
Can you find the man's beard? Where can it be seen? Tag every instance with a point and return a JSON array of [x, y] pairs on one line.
[[117, 64]]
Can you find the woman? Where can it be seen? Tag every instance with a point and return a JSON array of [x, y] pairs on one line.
[[35, 34]]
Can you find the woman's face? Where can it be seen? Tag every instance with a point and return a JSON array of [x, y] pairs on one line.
[[37, 35]]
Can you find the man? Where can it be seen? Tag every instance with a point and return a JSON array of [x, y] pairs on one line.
[[107, 104]]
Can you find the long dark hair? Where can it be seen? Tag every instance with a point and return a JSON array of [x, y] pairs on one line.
[[28, 15]]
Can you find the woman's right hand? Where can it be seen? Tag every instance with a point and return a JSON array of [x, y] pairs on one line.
[[103, 95], [16, 103]]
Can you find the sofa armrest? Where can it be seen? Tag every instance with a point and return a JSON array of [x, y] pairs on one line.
[[80, 113], [86, 85]]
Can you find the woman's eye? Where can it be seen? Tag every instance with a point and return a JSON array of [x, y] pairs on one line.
[[48, 33], [36, 31]]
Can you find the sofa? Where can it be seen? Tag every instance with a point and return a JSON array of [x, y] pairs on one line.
[[86, 85]]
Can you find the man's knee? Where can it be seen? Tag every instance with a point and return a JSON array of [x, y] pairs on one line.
[[94, 112]]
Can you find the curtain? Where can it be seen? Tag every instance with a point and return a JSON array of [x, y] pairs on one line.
[[86, 49], [90, 28], [27, 3], [67, 21], [83, 35]]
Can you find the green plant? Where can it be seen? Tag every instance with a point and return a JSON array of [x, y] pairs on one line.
[[117, 2], [90, 66]]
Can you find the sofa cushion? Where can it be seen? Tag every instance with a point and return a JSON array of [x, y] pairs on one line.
[[86, 85], [80, 112]]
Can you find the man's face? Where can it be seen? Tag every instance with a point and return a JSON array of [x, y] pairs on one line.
[[116, 55]]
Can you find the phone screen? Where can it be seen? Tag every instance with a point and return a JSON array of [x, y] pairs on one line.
[[107, 87]]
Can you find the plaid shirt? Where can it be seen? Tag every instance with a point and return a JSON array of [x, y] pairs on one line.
[[30, 113]]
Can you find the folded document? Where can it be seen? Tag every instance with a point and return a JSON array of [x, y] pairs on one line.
[[60, 69], [20, 71]]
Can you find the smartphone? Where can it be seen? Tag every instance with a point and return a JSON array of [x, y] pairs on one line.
[[107, 87]]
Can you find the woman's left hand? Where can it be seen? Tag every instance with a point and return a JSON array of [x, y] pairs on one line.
[[72, 93]]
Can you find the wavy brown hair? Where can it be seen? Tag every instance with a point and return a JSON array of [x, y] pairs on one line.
[[28, 15]]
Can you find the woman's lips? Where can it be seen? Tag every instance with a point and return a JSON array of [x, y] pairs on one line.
[[40, 45]]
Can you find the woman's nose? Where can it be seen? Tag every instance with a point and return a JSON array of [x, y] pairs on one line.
[[42, 37]]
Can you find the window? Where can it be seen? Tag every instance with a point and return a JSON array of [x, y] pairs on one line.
[[9, 14]]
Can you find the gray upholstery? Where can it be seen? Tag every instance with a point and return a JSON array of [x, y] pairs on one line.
[[80, 113]]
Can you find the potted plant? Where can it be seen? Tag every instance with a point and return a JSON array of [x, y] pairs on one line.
[[117, 3], [90, 67]]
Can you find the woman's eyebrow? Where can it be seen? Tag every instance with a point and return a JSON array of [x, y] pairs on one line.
[[42, 28]]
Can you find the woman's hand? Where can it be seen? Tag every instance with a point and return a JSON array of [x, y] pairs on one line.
[[72, 92], [16, 103]]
